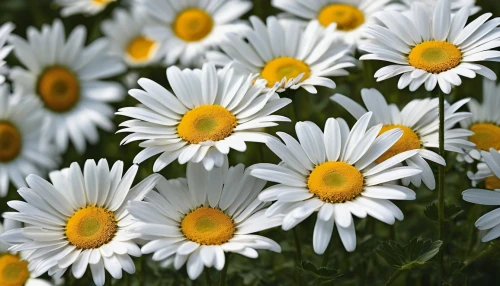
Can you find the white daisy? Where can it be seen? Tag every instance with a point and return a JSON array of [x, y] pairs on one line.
[[195, 221], [456, 5], [86, 7], [432, 49], [24, 149], [419, 121], [79, 220], [68, 78], [335, 174], [187, 29], [288, 53], [211, 112], [5, 31]]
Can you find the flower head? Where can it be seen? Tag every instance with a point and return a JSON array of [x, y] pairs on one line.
[[86, 7]]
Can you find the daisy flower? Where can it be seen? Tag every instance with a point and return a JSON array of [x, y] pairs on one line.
[[288, 53], [210, 113], [5, 31], [79, 220], [419, 121], [432, 49], [194, 221], [456, 5], [68, 78], [335, 174], [24, 149], [187, 29], [86, 7]]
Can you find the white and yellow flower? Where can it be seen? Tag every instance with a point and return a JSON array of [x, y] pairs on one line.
[[456, 5], [86, 7], [5, 31]]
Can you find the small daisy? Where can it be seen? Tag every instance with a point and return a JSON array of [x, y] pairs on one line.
[[210, 113], [86, 7], [5, 31], [335, 174], [456, 5], [79, 220], [194, 221], [68, 78], [288, 53], [419, 121], [187, 29], [432, 49]]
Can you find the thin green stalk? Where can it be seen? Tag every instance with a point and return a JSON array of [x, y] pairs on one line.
[[298, 252], [223, 274], [208, 280], [441, 175], [324, 262], [481, 255], [393, 277]]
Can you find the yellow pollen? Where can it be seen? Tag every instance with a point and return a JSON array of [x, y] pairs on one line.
[[13, 270], [435, 56], [141, 49], [486, 136], [10, 142], [59, 88], [346, 16], [492, 183], [335, 182], [193, 25], [91, 227], [208, 226], [275, 70], [206, 122], [409, 141], [102, 2]]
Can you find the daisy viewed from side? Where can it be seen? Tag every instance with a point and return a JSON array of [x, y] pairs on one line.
[[335, 174], [209, 113], [86, 7], [5, 31], [194, 221], [456, 5]]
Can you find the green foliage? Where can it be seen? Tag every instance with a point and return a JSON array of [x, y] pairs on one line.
[[322, 273], [451, 211], [414, 254]]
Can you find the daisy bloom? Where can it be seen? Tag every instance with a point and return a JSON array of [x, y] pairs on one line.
[[209, 113], [5, 31], [456, 5], [194, 221], [419, 121], [78, 220], [432, 49], [86, 7], [68, 78], [335, 173], [288, 53], [187, 29]]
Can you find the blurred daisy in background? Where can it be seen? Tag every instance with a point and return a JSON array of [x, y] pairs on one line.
[[194, 221], [456, 5], [209, 113], [79, 220], [5, 31], [335, 174], [432, 49], [68, 78], [419, 121], [86, 7]]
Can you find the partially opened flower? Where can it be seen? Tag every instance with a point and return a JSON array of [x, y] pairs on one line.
[[432, 49], [335, 173], [195, 221], [209, 113], [86, 7], [5, 31], [456, 5]]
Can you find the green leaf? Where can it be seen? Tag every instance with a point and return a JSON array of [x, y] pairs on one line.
[[321, 273], [451, 211], [416, 253]]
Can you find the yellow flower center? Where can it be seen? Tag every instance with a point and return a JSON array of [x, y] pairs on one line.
[[10, 142], [435, 56], [335, 182], [284, 67], [486, 136], [208, 226], [102, 2], [206, 123], [141, 49], [409, 141], [492, 183], [346, 16], [13, 271], [59, 88], [193, 25], [91, 227]]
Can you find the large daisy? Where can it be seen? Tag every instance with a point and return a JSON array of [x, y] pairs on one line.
[[432, 49], [68, 78], [288, 53], [5, 31], [210, 113], [79, 220], [419, 121], [456, 5], [336, 174], [86, 7], [195, 221]]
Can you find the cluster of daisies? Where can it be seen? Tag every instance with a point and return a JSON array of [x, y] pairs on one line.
[[228, 78]]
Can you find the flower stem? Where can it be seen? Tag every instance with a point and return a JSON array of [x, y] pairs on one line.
[[207, 278], [393, 277], [441, 175], [223, 274], [298, 252]]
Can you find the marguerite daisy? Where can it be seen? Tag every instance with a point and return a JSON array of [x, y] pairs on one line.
[[211, 112], [336, 174], [434, 48], [195, 221], [456, 5], [419, 121], [5, 31], [79, 220], [68, 78], [86, 7]]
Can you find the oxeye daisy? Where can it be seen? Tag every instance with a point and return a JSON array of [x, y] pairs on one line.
[[187, 29], [288, 53], [336, 174], [5, 31], [456, 5], [210, 113], [78, 220], [86, 7], [419, 121], [194, 221], [68, 78], [432, 49]]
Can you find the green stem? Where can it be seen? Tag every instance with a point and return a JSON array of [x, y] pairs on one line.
[[482, 254], [441, 176], [324, 262], [393, 277], [207, 277], [223, 274], [298, 252]]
